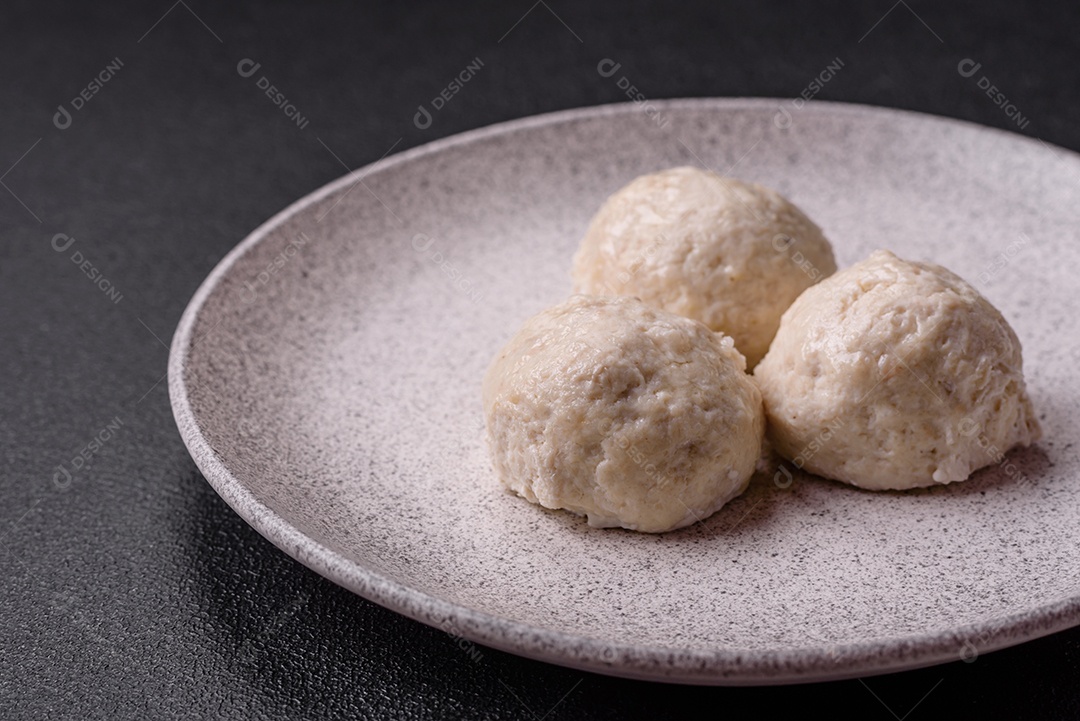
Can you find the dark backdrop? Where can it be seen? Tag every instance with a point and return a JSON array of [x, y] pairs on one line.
[[132, 590]]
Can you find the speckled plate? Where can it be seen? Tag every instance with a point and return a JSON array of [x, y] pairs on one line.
[[326, 379]]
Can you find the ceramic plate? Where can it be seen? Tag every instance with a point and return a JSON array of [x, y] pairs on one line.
[[326, 380]]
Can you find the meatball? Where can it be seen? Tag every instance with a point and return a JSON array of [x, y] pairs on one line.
[[730, 254], [626, 414], [894, 374]]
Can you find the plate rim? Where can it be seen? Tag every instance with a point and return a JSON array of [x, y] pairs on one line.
[[719, 666]]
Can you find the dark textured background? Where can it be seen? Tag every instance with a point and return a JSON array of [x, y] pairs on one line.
[[135, 591]]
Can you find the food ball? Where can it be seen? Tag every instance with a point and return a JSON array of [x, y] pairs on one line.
[[894, 374], [732, 255], [626, 414]]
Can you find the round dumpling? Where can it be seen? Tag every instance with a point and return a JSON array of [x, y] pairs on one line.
[[893, 374], [626, 414], [732, 255]]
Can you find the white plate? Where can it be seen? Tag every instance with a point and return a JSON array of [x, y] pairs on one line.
[[326, 379]]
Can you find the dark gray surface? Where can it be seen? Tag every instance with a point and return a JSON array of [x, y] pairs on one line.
[[134, 590]]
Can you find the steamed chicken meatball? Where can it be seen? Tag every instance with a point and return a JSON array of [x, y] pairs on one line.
[[730, 254], [626, 414], [894, 374]]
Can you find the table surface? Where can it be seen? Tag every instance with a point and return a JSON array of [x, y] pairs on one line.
[[137, 148]]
